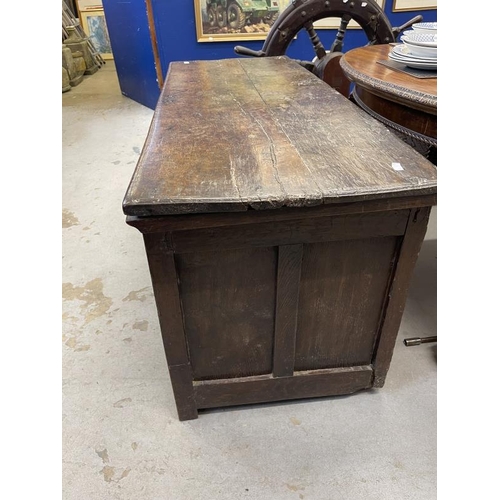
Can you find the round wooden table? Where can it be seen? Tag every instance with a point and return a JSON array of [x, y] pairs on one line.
[[405, 103]]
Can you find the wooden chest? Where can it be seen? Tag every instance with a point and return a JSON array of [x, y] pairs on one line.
[[281, 225]]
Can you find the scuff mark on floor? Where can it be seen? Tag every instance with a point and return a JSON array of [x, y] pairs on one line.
[[122, 402], [140, 295], [83, 348], [141, 325], [96, 304], [69, 219], [125, 473], [293, 487], [68, 317], [71, 342], [103, 455], [108, 473]]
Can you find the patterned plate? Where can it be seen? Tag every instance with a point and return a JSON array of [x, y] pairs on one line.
[[421, 51], [413, 63], [425, 27], [422, 39], [403, 51]]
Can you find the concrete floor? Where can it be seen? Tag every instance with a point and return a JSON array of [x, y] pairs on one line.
[[121, 435]]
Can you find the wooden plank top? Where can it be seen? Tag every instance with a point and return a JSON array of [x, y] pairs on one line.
[[264, 133], [362, 67]]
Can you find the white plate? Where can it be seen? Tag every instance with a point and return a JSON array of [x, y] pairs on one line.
[[419, 51], [422, 39], [403, 51], [419, 65], [412, 63], [425, 27]]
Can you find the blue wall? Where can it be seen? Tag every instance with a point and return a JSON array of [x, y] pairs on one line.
[[128, 29], [177, 41], [176, 32]]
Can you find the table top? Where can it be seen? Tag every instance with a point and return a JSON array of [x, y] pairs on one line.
[[361, 66], [265, 133]]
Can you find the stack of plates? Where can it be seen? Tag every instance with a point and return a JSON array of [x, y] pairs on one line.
[[431, 28], [419, 47]]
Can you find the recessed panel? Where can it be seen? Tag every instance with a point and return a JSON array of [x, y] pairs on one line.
[[342, 293], [228, 301]]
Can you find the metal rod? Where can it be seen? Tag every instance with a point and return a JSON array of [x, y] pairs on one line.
[[419, 340]]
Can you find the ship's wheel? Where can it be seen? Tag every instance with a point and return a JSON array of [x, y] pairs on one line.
[[301, 14]]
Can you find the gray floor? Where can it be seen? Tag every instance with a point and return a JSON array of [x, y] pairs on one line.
[[121, 435]]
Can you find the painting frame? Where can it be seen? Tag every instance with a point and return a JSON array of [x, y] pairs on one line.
[[103, 48], [200, 13], [412, 5], [333, 23]]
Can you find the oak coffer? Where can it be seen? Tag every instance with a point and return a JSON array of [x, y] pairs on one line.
[[281, 225]]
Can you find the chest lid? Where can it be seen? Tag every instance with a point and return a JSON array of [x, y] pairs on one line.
[[265, 133]]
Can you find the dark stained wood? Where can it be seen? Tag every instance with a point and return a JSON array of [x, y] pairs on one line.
[[419, 121], [228, 301], [287, 301], [198, 221], [331, 72], [265, 137], [266, 388], [181, 378], [417, 225], [343, 291], [164, 278], [305, 230], [361, 66], [402, 102], [295, 285], [334, 150], [260, 314]]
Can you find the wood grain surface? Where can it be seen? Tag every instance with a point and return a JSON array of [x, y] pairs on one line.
[[342, 293], [240, 134], [228, 303], [362, 67], [307, 384], [415, 232], [287, 300]]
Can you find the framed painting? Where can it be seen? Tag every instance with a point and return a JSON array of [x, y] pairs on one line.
[[232, 20], [94, 25], [401, 5], [334, 22], [89, 5]]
